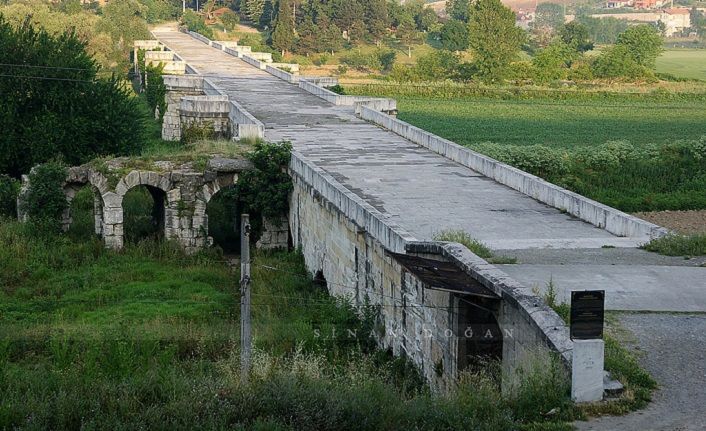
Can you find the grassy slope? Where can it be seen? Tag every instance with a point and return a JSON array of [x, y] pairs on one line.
[[148, 338], [684, 63]]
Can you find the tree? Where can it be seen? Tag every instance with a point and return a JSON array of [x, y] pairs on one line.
[[644, 44], [377, 18], [459, 9], [283, 35], [125, 22], [618, 62], [230, 20], [407, 32], [253, 10], [454, 36], [603, 30], [553, 62], [549, 16], [494, 39], [575, 35], [267, 16], [68, 112], [426, 19]]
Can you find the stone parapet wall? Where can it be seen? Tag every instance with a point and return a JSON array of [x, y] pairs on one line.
[[212, 112], [281, 74], [602, 216], [199, 37], [388, 106]]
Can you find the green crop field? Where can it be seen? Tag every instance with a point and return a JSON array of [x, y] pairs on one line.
[[683, 63], [557, 123]]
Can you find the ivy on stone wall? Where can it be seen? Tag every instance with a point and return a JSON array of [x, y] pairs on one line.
[[265, 189]]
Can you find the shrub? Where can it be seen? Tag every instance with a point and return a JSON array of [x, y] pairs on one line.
[[387, 58], [230, 20], [9, 187], [195, 22], [44, 201], [362, 62], [75, 116], [437, 65], [266, 188], [678, 245], [156, 91], [338, 89], [322, 59]]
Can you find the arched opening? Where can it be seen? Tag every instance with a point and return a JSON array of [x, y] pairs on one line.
[[320, 280], [143, 213], [84, 214], [223, 215], [480, 336]]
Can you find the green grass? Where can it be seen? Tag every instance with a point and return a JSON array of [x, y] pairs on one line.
[[683, 63], [148, 338], [678, 245], [555, 123], [477, 247]]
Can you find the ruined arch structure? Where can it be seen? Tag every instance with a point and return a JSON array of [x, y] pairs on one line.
[[181, 192]]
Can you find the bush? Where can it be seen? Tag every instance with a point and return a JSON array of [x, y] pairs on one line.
[[265, 189], [678, 245], [322, 60], [156, 91], [195, 22], [44, 201], [9, 187], [75, 116], [230, 20], [362, 62]]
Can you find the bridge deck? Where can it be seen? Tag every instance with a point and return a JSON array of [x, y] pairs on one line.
[[421, 190], [426, 193]]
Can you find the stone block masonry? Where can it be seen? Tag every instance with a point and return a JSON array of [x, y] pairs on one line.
[[195, 101], [180, 192]]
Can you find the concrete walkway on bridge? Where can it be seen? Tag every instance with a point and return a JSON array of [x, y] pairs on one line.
[[426, 193]]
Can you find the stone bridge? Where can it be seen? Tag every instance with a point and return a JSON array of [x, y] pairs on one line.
[[371, 192]]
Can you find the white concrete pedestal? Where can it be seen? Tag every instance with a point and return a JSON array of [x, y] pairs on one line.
[[587, 371]]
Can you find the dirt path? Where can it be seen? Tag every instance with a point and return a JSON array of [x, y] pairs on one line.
[[685, 222], [673, 348]]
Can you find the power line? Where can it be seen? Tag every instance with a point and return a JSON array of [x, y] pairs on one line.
[[45, 67], [46, 78]]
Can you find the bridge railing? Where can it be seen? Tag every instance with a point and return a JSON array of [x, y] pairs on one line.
[[596, 213]]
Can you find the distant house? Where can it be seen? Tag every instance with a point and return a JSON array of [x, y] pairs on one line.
[[617, 4], [648, 4], [675, 20]]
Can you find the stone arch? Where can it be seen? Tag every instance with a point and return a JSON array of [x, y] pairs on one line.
[[480, 335], [159, 187], [70, 191], [207, 192]]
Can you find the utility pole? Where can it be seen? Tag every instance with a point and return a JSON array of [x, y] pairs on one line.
[[245, 329]]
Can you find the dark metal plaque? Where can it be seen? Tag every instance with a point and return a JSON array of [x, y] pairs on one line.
[[587, 311]]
